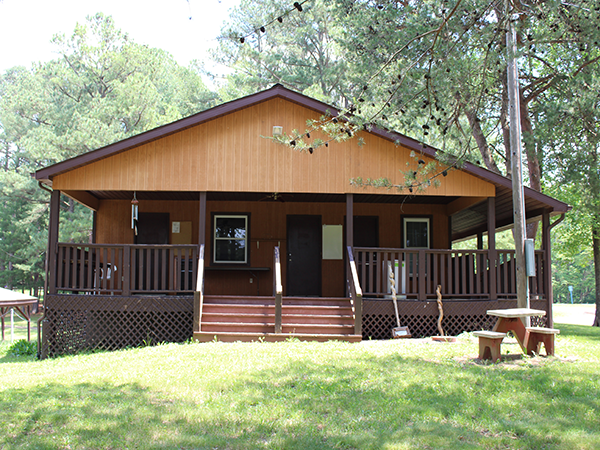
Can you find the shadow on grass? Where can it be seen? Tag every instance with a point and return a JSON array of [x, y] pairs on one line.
[[363, 402], [580, 331]]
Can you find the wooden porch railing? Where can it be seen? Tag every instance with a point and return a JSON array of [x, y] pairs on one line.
[[277, 289], [199, 292], [355, 291], [464, 274], [122, 269]]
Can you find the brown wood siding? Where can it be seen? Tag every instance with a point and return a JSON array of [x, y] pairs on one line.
[[229, 154], [267, 230]]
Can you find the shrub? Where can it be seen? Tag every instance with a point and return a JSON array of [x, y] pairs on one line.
[[23, 348]]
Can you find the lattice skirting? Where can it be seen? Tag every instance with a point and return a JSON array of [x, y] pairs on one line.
[[75, 323], [421, 317]]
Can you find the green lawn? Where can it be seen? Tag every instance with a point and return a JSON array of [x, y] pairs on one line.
[[380, 395]]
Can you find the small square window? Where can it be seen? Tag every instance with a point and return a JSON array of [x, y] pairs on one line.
[[230, 239], [416, 232]]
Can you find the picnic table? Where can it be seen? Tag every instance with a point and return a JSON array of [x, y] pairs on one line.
[[529, 338], [21, 303]]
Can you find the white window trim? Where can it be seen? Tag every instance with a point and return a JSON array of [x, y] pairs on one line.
[[215, 238], [417, 219]]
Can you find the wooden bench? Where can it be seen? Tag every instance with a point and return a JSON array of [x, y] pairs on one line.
[[536, 336], [489, 344]]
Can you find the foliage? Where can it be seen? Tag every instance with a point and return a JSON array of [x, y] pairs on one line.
[[103, 88], [300, 52], [394, 394], [436, 70], [22, 347]]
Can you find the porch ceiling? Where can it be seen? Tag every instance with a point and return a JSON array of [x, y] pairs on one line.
[[264, 196], [468, 222], [465, 223]]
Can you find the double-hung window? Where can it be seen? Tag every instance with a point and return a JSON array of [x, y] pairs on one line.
[[230, 239]]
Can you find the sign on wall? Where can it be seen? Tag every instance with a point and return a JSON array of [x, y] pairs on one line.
[[332, 241]]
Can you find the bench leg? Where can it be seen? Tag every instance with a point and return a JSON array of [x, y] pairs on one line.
[[489, 348], [535, 341]]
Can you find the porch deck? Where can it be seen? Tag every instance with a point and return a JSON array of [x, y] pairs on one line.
[[155, 294]]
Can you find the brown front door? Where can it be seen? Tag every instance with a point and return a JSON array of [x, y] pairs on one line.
[[304, 243]]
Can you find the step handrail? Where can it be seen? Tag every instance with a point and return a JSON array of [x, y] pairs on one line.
[[277, 288], [199, 292], [355, 292]]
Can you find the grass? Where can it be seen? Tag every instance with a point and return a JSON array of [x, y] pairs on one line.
[[401, 394]]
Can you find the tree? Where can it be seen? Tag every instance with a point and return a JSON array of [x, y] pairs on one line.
[[436, 70], [573, 145], [299, 52], [103, 88]]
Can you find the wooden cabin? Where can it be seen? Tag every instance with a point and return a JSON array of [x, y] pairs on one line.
[[240, 238]]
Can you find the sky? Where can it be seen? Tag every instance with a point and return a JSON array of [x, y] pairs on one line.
[[184, 28]]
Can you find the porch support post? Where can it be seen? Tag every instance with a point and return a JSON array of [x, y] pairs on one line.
[[546, 246], [94, 225], [350, 220], [491, 224], [349, 230], [202, 220], [52, 252], [199, 292], [479, 241]]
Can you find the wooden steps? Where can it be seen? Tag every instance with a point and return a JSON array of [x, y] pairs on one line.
[[233, 318]]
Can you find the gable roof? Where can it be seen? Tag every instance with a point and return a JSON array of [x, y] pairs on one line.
[[536, 201]]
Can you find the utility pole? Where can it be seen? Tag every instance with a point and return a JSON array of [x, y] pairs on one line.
[[517, 165]]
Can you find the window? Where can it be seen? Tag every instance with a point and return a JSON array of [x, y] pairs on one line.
[[230, 243], [416, 232]]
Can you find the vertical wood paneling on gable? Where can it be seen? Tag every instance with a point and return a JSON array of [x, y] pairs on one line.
[[202, 168], [197, 159], [178, 166], [264, 159], [124, 176], [211, 167], [284, 156], [231, 156], [153, 163], [242, 150], [228, 153], [220, 149], [246, 152]]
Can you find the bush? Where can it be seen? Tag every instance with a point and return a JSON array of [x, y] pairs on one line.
[[23, 348]]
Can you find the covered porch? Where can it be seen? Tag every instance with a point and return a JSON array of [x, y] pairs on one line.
[[117, 294]]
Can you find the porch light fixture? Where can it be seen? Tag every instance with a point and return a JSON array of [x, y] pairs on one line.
[[277, 131], [134, 213]]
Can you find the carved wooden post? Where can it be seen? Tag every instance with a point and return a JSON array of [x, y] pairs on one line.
[[277, 289]]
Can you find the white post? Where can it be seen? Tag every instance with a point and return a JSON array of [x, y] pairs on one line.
[[517, 166], [12, 325]]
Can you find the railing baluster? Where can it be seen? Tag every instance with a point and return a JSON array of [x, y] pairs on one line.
[[370, 271], [59, 282], [81, 261]]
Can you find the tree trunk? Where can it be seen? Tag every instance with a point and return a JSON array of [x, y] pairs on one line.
[[482, 144], [596, 246]]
